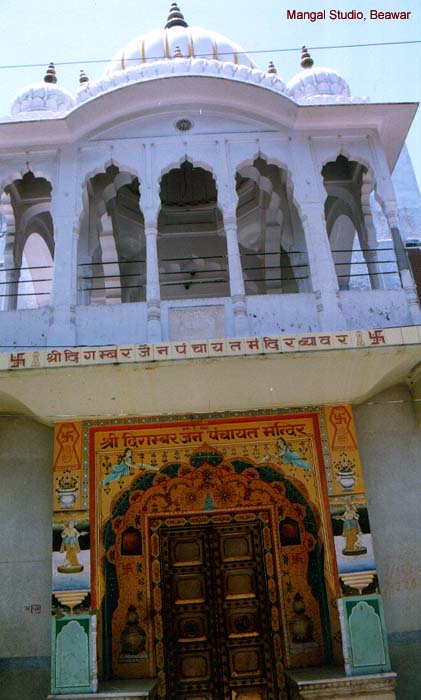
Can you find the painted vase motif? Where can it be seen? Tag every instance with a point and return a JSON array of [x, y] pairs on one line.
[[67, 497], [133, 636], [301, 625], [67, 489], [346, 480]]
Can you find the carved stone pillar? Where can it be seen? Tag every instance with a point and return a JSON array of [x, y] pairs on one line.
[[153, 294], [9, 275], [322, 268], [236, 279], [370, 235]]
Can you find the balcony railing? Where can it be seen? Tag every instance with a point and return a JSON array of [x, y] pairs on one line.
[[186, 277], [23, 287], [367, 268]]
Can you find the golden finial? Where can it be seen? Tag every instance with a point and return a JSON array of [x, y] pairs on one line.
[[177, 52], [271, 68]]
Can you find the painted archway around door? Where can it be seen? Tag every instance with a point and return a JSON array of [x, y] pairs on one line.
[[264, 474]]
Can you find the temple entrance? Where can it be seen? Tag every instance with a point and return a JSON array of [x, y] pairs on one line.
[[217, 627]]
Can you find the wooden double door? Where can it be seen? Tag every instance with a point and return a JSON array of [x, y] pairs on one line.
[[217, 632]]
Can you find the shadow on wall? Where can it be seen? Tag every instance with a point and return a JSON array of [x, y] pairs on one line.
[[406, 661], [31, 684]]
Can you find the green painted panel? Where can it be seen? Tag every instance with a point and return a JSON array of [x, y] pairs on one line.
[[73, 654], [364, 635]]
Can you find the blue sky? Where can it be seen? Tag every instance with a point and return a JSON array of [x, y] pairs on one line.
[[87, 30]]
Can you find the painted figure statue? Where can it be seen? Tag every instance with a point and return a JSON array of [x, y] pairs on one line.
[[287, 456], [351, 531], [70, 546], [124, 467]]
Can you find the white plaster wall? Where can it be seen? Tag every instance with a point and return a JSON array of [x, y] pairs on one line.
[[111, 325], [282, 313], [377, 308], [390, 447], [25, 328], [26, 456]]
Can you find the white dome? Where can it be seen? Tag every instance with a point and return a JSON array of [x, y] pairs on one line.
[[193, 42], [46, 96], [317, 84]]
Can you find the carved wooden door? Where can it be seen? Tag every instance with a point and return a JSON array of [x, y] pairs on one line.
[[216, 627]]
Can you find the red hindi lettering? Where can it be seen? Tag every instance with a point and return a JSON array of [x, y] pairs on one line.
[[144, 350], [199, 348], [162, 349], [308, 340], [54, 356], [271, 343], [71, 356]]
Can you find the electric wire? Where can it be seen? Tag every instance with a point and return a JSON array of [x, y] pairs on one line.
[[228, 53]]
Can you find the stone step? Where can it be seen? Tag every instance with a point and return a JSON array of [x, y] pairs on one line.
[[124, 690]]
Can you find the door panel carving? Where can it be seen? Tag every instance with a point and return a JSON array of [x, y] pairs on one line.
[[218, 637]]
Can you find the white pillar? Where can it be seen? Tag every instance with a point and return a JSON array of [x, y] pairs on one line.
[[227, 203], [66, 235], [310, 196], [153, 293], [235, 271], [321, 266]]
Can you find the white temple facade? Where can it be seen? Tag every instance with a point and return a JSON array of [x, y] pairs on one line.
[[192, 235]]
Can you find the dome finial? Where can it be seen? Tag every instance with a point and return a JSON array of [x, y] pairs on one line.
[[177, 52], [271, 68], [175, 18], [83, 78], [306, 59], [50, 76]]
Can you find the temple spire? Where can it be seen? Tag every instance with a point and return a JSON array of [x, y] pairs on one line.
[[306, 59], [50, 76], [83, 78], [175, 17]]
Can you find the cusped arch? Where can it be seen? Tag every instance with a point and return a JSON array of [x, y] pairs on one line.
[[195, 162], [351, 156], [25, 170], [101, 170], [262, 155]]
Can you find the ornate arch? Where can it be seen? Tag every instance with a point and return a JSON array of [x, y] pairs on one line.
[[205, 489]]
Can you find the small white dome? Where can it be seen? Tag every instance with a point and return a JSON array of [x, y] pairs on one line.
[[46, 96], [317, 84], [164, 43]]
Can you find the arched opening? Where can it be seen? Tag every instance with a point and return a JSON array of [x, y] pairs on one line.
[[111, 255], [29, 243], [270, 233], [35, 281], [362, 260], [191, 242]]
